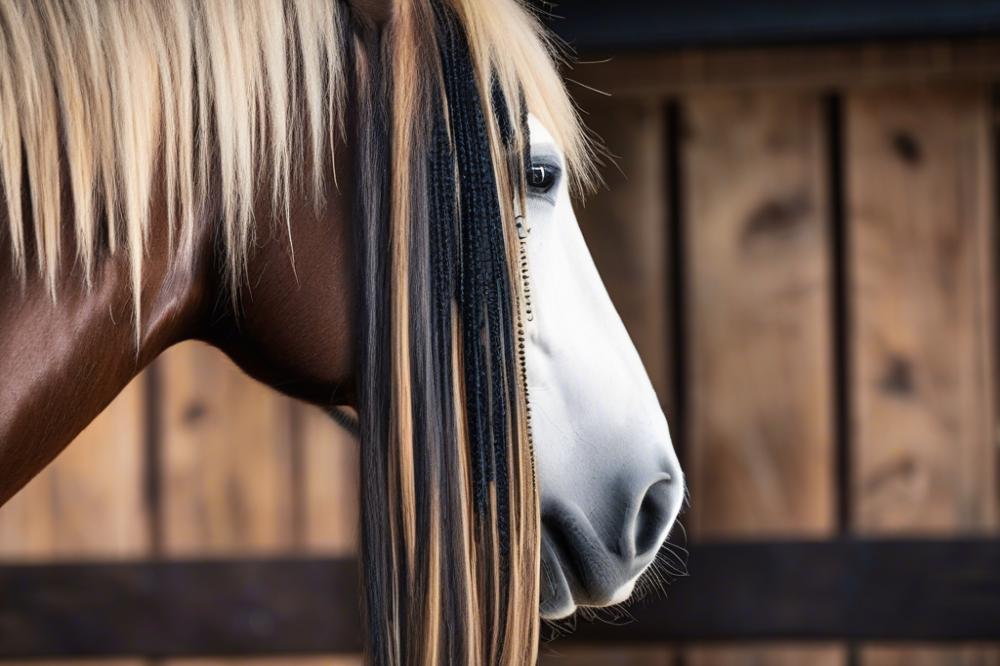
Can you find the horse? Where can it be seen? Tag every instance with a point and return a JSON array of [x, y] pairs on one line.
[[362, 203]]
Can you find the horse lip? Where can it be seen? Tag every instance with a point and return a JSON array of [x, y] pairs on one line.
[[592, 572], [569, 578], [555, 578]]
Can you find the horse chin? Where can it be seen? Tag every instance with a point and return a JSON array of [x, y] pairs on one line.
[[557, 612], [557, 600]]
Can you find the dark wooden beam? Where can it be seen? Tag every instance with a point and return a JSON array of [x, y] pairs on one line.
[[241, 607], [598, 25], [816, 67], [882, 591]]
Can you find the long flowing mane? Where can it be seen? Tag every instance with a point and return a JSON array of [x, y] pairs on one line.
[[219, 103]]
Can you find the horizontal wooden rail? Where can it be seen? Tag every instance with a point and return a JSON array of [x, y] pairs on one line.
[[172, 608], [818, 68], [654, 24], [898, 590]]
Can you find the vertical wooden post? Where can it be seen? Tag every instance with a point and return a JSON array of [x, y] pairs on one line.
[[761, 433], [227, 458], [922, 277]]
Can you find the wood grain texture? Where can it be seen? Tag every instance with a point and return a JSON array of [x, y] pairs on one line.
[[753, 655], [622, 655], [89, 503], [227, 458], [920, 214], [761, 433], [759, 316], [330, 493], [81, 662], [927, 655], [922, 278]]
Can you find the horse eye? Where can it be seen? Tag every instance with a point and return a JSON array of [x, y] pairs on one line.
[[542, 177]]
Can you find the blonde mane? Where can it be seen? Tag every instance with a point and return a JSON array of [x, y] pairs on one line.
[[112, 95]]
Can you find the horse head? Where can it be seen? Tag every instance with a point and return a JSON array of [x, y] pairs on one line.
[[610, 483]]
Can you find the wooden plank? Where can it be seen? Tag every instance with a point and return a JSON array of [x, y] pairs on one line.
[[624, 224], [331, 466], [927, 655], [817, 67], [760, 437], [90, 502], [921, 269], [227, 458], [761, 431], [815, 591], [621, 655], [920, 214]]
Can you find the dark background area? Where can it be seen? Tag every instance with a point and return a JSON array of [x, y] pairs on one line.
[[609, 27]]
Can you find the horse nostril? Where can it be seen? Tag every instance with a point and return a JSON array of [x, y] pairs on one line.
[[653, 518]]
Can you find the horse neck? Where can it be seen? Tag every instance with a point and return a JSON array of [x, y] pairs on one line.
[[64, 359], [293, 321]]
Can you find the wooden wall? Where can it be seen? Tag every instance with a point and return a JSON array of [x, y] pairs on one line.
[[802, 243], [822, 302], [194, 459]]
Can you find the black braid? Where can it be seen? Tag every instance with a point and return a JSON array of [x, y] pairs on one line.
[[482, 283]]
